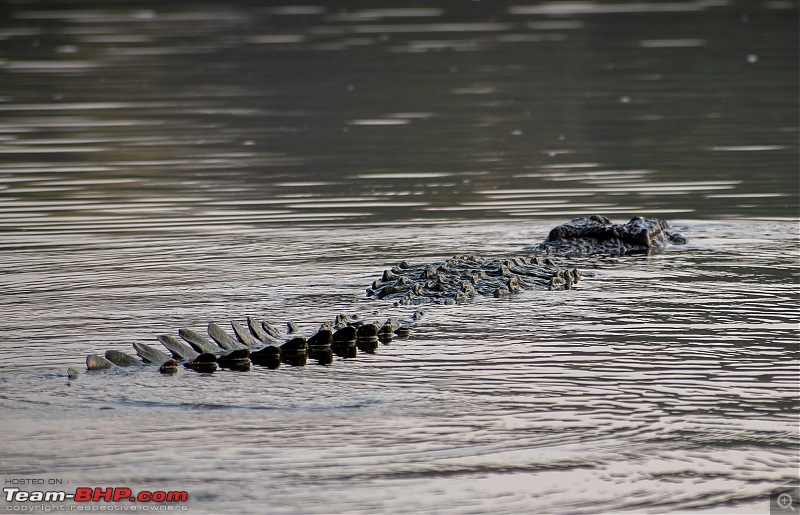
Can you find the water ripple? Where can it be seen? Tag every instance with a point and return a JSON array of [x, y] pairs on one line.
[[168, 167]]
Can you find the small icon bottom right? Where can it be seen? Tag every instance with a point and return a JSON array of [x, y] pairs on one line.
[[784, 499]]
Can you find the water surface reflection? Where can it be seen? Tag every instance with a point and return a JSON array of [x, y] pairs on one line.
[[111, 103], [170, 165]]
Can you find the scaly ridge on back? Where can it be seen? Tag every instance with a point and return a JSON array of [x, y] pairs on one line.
[[452, 281], [461, 278], [320, 347]]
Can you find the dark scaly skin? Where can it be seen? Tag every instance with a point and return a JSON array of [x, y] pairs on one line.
[[350, 336], [461, 278], [593, 235], [447, 282]]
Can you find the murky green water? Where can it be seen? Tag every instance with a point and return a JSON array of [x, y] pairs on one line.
[[165, 165]]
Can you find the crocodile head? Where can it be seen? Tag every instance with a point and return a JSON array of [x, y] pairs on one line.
[[596, 234]]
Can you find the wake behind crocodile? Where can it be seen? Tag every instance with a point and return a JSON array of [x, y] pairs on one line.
[[453, 281]]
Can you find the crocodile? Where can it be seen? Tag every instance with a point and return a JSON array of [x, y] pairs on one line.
[[597, 235], [462, 278], [259, 343], [452, 281]]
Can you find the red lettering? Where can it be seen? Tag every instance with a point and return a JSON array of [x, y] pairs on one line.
[[105, 495], [180, 496], [83, 494], [121, 493], [111, 494]]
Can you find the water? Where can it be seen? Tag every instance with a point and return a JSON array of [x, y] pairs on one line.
[[166, 166]]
